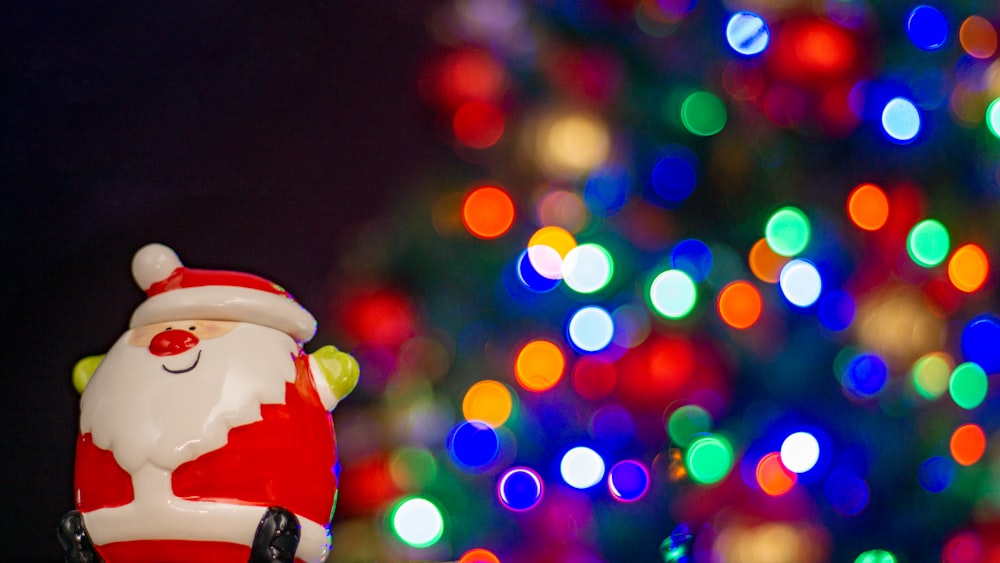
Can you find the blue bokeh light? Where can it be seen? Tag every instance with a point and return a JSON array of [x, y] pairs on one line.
[[606, 190], [628, 481], [692, 257], [530, 278], [979, 342], [473, 445], [936, 473], [927, 27], [520, 489], [836, 310], [865, 375], [612, 426], [674, 177]]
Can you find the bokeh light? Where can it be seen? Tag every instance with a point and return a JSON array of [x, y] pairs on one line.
[[901, 120], [865, 375], [747, 33], [673, 294], [836, 310], [572, 144], [968, 268], [594, 378], [587, 268], [978, 37], [978, 341], [581, 467], [739, 304], [547, 248], [876, 556], [931, 374], [800, 283], [488, 401], [773, 477], [868, 207], [692, 257], [800, 452], [968, 443], [847, 493], [928, 243], [478, 124], [473, 445], [607, 189], [936, 474], [628, 481], [993, 117], [703, 113], [530, 278], [417, 522], [686, 422], [787, 231], [539, 365], [709, 459], [478, 555], [765, 263], [590, 329], [520, 489], [412, 468], [968, 385], [488, 212], [927, 27], [674, 175]]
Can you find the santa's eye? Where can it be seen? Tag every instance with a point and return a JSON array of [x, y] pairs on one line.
[[192, 327], [169, 328]]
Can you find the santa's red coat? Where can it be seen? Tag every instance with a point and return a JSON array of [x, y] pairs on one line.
[[286, 459]]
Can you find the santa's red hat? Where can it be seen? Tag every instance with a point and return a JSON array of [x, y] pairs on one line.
[[177, 293]]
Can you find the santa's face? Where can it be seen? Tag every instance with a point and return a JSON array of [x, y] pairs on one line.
[[169, 392]]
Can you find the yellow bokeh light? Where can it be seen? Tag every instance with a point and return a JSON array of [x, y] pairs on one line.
[[556, 238], [572, 144]]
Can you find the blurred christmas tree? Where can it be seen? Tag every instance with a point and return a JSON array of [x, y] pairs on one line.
[[705, 281]]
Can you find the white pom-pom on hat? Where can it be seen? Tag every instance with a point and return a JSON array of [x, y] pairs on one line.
[[153, 263]]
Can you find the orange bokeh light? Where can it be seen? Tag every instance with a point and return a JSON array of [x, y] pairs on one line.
[[968, 268], [978, 37], [968, 443], [488, 212], [765, 263], [488, 401], [739, 304], [868, 207], [539, 365], [478, 555], [773, 477]]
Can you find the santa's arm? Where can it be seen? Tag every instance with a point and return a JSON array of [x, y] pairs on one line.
[[84, 370], [335, 374]]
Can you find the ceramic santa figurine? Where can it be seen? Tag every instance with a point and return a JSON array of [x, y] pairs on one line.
[[205, 432]]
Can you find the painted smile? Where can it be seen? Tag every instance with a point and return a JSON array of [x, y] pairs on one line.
[[184, 370]]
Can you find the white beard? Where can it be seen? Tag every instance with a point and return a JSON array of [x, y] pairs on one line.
[[141, 413]]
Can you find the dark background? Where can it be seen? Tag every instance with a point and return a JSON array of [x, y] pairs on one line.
[[253, 136]]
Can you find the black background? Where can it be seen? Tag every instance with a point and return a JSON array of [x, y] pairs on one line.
[[253, 136]]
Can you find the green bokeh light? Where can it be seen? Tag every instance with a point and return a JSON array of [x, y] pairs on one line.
[[968, 385], [928, 243], [703, 113], [687, 421], [673, 294], [876, 556], [930, 375], [709, 459], [993, 117], [417, 522], [787, 231]]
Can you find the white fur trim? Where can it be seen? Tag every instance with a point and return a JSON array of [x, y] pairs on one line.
[[156, 514], [227, 303], [153, 263]]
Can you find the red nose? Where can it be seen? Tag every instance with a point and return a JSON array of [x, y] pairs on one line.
[[172, 342]]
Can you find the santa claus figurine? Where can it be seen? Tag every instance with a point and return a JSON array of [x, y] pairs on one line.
[[205, 432]]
